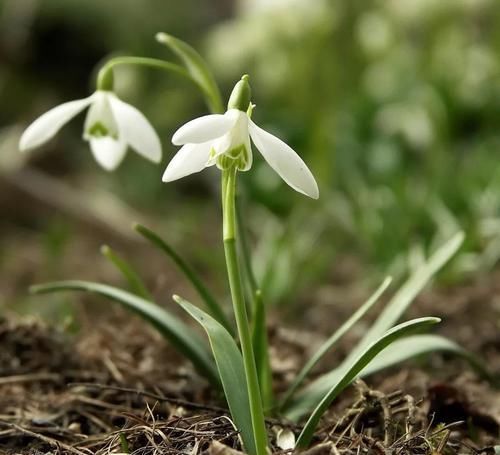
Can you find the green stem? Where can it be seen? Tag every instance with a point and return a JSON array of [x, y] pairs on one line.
[[245, 250], [258, 318], [240, 312], [260, 345], [104, 76]]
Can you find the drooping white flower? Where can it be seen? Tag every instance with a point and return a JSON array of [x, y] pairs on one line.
[[215, 139], [111, 126]]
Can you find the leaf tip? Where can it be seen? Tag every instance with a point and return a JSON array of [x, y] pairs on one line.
[[163, 37], [34, 289], [105, 250]]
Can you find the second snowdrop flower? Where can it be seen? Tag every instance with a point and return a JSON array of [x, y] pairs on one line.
[[224, 140], [110, 127]]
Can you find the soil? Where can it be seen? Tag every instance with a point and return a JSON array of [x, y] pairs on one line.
[[116, 386]]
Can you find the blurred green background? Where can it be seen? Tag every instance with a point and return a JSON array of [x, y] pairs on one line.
[[394, 105]]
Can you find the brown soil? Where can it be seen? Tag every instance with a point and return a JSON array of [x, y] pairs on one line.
[[117, 387]]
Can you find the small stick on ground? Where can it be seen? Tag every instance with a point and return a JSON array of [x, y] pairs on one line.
[[52, 442], [33, 377]]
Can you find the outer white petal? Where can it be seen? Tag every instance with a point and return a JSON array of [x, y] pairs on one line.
[[46, 126], [283, 159], [135, 129], [108, 152], [203, 129], [189, 159]]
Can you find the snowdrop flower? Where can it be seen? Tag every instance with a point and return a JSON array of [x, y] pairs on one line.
[[110, 127], [224, 140]]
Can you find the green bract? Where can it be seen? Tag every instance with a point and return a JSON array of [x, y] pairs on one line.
[[239, 367]]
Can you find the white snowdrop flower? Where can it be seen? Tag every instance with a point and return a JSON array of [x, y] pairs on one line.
[[221, 139], [110, 127]]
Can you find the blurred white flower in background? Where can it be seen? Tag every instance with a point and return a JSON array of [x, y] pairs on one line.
[[111, 126]]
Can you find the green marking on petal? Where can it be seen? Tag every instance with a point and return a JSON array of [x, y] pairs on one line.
[[237, 156], [98, 129]]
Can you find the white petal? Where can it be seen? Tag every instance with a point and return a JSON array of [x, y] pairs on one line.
[[100, 113], [108, 152], [136, 130], [283, 159], [189, 159], [46, 126], [203, 129]]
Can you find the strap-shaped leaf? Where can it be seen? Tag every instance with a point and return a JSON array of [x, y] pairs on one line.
[[184, 339], [231, 370], [196, 67], [416, 345], [135, 283], [258, 318], [399, 351], [351, 370], [311, 395], [407, 293], [212, 305], [328, 344]]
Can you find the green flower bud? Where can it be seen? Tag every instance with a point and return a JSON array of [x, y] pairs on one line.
[[241, 95]]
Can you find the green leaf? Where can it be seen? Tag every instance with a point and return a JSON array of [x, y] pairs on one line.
[[416, 345], [212, 305], [260, 341], [261, 350], [407, 293], [184, 339], [197, 68], [312, 394], [134, 281], [336, 336], [231, 370], [350, 370]]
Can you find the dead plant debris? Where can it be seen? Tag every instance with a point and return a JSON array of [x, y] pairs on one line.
[[107, 391]]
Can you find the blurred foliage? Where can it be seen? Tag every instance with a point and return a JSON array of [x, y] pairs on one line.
[[395, 104]]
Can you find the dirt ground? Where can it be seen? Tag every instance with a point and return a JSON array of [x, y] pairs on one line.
[[116, 386]]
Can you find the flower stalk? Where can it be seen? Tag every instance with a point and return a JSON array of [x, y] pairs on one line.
[[104, 77], [240, 312]]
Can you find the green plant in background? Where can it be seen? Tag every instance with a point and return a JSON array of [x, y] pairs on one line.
[[239, 366], [403, 106]]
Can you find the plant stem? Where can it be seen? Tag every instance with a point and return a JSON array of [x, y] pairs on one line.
[[258, 317], [104, 72], [240, 312]]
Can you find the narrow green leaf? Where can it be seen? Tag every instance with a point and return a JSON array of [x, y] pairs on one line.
[[311, 395], [349, 371], [399, 351], [134, 281], [184, 339], [416, 345], [231, 370], [258, 312], [261, 350], [212, 305], [336, 336], [407, 293], [197, 68]]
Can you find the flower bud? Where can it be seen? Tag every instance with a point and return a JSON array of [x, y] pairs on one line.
[[241, 95]]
